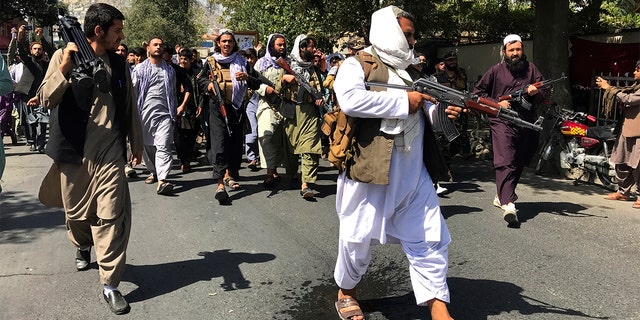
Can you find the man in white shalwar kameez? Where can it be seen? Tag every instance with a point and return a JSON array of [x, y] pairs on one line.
[[405, 209]]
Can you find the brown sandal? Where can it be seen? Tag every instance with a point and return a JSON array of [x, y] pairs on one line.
[[636, 205], [150, 180], [348, 308], [618, 196]]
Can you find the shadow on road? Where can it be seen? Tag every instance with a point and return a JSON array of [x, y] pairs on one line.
[[158, 279], [478, 299], [22, 217]]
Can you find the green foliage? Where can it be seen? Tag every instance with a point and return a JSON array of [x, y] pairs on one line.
[[458, 21], [174, 22], [620, 14], [45, 12]]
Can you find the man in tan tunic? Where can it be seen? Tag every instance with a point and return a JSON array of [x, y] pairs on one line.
[[87, 144], [626, 153]]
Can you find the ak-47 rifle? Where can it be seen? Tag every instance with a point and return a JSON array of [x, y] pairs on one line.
[[519, 93], [88, 69], [448, 96], [304, 85], [220, 99], [276, 98]]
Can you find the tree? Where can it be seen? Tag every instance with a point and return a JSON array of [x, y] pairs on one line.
[[551, 45], [45, 12], [175, 22]]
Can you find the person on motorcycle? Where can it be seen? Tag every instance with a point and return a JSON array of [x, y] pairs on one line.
[[626, 152]]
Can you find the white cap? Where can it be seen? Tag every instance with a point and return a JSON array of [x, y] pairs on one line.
[[511, 38]]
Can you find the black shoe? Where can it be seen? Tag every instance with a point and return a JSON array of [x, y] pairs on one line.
[[83, 258], [33, 148], [116, 302]]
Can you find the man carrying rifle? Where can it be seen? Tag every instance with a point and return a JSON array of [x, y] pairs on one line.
[[513, 146], [302, 124], [271, 137], [225, 78], [386, 193], [87, 144]]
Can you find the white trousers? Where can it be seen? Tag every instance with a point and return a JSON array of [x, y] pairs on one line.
[[158, 157], [428, 263]]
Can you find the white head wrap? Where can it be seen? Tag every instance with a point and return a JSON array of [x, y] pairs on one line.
[[388, 39], [511, 38]]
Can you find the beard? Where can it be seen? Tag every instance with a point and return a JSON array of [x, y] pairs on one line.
[[307, 56], [451, 67], [518, 66]]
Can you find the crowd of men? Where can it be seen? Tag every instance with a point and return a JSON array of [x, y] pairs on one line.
[[266, 107]]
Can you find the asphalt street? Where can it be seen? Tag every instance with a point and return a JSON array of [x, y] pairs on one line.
[[270, 254]]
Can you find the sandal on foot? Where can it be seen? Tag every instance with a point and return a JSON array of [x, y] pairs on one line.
[[307, 193], [165, 188], [269, 182], [348, 308], [618, 196], [253, 165], [231, 183], [636, 205], [222, 196], [150, 180]]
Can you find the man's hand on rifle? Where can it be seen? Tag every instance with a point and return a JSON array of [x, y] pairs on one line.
[[532, 90], [288, 78], [269, 90], [319, 102], [67, 63], [453, 112], [505, 104], [417, 99]]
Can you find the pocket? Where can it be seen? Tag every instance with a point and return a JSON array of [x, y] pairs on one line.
[[289, 109]]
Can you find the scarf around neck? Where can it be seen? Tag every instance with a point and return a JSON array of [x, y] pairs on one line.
[[236, 63], [269, 61]]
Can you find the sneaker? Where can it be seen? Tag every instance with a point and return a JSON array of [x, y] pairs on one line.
[[129, 171], [496, 202], [509, 214], [440, 190]]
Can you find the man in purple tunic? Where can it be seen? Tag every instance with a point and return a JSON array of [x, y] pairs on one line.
[[513, 146]]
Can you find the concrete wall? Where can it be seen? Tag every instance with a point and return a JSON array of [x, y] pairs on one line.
[[476, 59]]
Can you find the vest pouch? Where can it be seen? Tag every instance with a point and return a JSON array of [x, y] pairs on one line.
[[288, 109]]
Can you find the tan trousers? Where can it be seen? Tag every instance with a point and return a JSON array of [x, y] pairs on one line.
[[110, 239]]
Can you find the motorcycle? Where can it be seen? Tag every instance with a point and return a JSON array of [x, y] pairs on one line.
[[578, 150]]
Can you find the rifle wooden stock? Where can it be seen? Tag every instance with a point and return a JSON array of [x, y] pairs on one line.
[[450, 96], [523, 91], [484, 105]]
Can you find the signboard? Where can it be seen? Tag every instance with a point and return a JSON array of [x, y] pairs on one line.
[[246, 39]]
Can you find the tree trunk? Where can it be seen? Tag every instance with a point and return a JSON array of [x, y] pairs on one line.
[[551, 46]]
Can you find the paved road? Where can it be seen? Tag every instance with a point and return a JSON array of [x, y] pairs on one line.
[[270, 254]]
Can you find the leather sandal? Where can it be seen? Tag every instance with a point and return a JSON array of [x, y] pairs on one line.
[[150, 180], [231, 183], [348, 308], [636, 205], [618, 196]]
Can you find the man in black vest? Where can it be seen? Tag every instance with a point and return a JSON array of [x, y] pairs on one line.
[[89, 127]]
